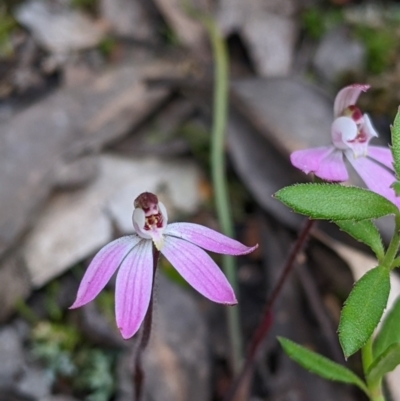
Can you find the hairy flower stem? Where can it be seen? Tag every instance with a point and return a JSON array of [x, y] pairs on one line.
[[220, 113], [266, 319], [138, 373]]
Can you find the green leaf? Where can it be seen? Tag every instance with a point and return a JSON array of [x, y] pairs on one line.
[[396, 144], [396, 187], [366, 232], [390, 331], [320, 365], [335, 202], [385, 363], [363, 309]]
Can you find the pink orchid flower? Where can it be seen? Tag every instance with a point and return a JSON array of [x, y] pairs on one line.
[[351, 132], [180, 243]]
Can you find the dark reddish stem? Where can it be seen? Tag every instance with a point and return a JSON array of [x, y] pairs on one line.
[[266, 319], [138, 373]]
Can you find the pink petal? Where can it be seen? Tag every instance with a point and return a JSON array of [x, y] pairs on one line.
[[199, 270], [332, 168], [102, 267], [326, 163], [133, 288], [382, 155], [376, 177], [348, 97], [308, 160], [207, 238]]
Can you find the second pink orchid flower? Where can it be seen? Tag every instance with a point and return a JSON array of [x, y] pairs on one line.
[[351, 133]]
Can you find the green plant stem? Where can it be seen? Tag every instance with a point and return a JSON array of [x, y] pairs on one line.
[[374, 389], [367, 355], [393, 247], [220, 114], [396, 262]]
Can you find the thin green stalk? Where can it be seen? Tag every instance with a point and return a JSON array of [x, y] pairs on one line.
[[393, 247], [374, 389], [396, 263], [220, 114], [367, 355]]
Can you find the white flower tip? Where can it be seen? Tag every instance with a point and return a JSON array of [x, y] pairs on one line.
[[249, 249]]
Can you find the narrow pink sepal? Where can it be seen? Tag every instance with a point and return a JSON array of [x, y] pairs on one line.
[[368, 129], [199, 270], [208, 239], [348, 97], [325, 163], [376, 177], [133, 288], [102, 267], [382, 155], [308, 160]]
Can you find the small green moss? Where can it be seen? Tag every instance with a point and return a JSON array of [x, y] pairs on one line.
[[53, 309], [313, 23], [105, 302], [169, 36], [7, 24], [316, 21], [381, 45], [54, 344], [68, 357], [95, 378], [107, 46], [89, 5], [26, 312]]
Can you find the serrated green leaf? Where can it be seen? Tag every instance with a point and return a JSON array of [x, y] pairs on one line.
[[335, 202], [390, 331], [396, 144], [363, 309], [320, 365], [385, 363], [366, 232]]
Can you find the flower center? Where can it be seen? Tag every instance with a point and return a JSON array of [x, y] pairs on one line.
[[360, 138], [153, 221], [148, 202], [354, 113]]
